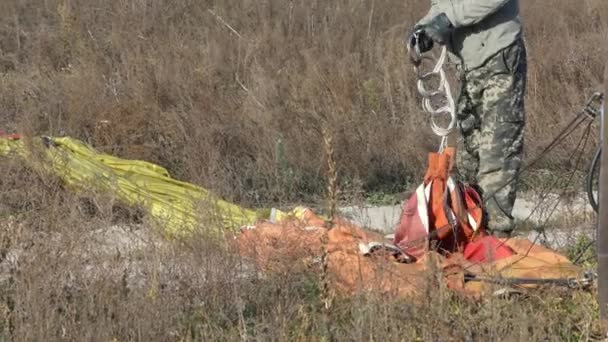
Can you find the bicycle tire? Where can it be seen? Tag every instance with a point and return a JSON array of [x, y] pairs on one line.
[[591, 180]]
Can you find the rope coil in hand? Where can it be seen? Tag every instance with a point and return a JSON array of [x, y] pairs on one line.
[[442, 94]]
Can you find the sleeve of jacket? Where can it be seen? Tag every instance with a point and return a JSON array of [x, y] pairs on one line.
[[433, 11], [469, 12]]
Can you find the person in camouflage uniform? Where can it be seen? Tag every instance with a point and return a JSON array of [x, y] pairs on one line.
[[487, 39]]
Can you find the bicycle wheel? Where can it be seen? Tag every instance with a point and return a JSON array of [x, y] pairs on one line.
[[593, 180]]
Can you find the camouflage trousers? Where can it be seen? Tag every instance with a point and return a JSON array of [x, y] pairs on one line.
[[491, 122]]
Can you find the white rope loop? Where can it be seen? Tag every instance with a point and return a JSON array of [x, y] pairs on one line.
[[442, 94]]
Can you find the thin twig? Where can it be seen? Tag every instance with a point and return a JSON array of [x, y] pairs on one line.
[[238, 80], [369, 24], [221, 20]]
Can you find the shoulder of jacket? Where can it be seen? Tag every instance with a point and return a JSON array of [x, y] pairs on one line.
[[442, 5]]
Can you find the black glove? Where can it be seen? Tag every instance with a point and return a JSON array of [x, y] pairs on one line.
[[438, 30]]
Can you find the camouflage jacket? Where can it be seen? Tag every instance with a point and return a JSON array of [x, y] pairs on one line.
[[481, 27]]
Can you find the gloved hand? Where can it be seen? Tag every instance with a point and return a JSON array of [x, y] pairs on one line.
[[438, 30]]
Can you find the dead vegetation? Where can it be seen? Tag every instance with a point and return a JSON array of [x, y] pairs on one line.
[[215, 90], [233, 95]]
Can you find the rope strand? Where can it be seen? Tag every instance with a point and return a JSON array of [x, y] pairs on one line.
[[443, 93]]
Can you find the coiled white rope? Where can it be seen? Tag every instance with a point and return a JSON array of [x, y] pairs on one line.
[[442, 94]]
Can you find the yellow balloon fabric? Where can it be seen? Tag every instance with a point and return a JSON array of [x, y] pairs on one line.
[[179, 207]]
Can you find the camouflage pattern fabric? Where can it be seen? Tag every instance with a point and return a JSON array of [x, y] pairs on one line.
[[491, 122]]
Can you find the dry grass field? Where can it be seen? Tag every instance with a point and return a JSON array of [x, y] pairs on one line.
[[233, 95]]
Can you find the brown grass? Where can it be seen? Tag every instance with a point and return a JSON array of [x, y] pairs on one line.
[[208, 89], [232, 95]]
